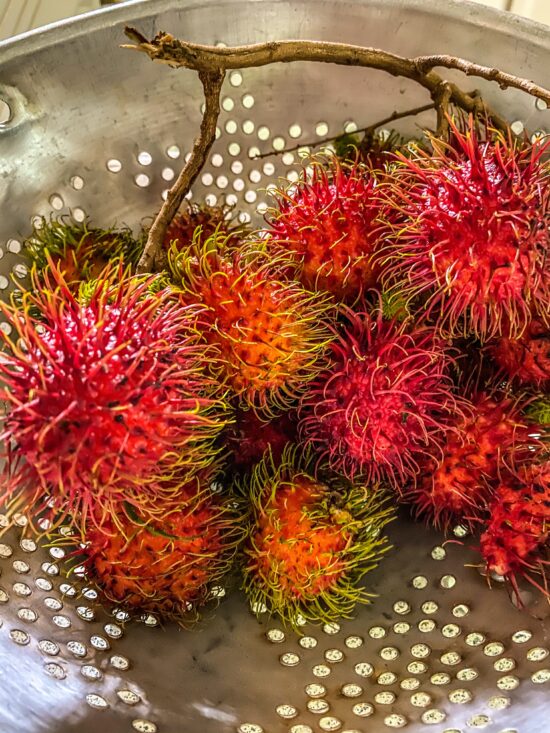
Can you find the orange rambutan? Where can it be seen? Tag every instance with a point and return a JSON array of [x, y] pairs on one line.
[[270, 332], [310, 542], [208, 219], [170, 565]]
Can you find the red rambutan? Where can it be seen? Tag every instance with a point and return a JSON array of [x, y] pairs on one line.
[[526, 359], [105, 398], [471, 232], [170, 565], [310, 543], [250, 437], [328, 222], [384, 401], [270, 332], [518, 528], [479, 446]]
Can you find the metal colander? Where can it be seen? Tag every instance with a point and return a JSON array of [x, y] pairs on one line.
[[92, 130]]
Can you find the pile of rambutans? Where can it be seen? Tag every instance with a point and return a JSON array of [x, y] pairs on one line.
[[256, 411]]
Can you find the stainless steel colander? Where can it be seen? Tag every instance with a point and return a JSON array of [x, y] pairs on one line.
[[92, 130]]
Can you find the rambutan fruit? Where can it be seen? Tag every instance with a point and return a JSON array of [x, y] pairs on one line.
[[310, 542], [470, 232], [526, 359], [479, 446], [106, 399], [250, 437], [208, 219], [270, 332], [170, 565], [329, 224], [383, 402], [80, 251], [518, 528]]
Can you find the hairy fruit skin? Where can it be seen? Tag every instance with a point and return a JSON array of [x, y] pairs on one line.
[[518, 527], [209, 220], [328, 223], [309, 543], [171, 565], [79, 251], [251, 437], [525, 360], [270, 333], [478, 447], [106, 399], [383, 402], [471, 236]]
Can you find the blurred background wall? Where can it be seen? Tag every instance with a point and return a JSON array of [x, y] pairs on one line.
[[17, 16]]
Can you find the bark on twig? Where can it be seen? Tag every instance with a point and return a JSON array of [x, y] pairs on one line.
[[368, 130], [212, 83]]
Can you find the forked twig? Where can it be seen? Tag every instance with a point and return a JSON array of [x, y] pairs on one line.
[[211, 63]]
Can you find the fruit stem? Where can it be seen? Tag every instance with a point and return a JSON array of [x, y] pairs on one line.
[[212, 83], [368, 130]]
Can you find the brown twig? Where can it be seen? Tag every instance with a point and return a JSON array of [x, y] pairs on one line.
[[367, 130], [167, 49], [211, 62], [212, 83]]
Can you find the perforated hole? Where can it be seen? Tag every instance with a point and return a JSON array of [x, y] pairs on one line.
[[5, 113], [114, 165], [144, 158]]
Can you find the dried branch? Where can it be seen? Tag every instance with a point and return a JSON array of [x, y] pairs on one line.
[[169, 50], [368, 130], [211, 63], [490, 73], [212, 83]]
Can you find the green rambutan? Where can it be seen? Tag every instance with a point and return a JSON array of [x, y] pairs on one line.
[[479, 447], [329, 224], [270, 332], [383, 402], [538, 411], [106, 399], [80, 251], [470, 232], [310, 542]]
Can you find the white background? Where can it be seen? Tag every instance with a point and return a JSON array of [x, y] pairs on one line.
[[17, 16]]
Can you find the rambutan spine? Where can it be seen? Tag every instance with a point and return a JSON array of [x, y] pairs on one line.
[[384, 400], [310, 541], [271, 334], [106, 399], [470, 231], [480, 447], [328, 222]]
